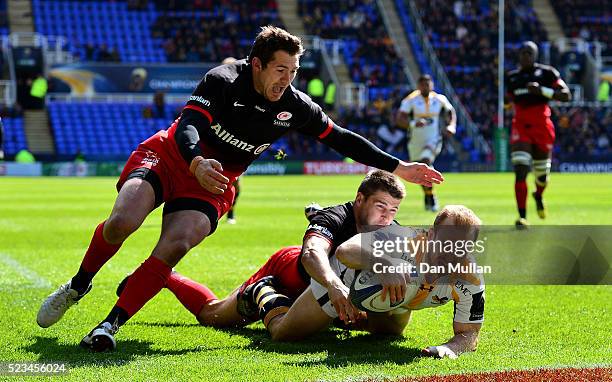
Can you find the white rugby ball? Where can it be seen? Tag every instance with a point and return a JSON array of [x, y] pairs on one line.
[[366, 291]]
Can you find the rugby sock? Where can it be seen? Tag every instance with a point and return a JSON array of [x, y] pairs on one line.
[[142, 286], [98, 253], [520, 192], [427, 190], [540, 190], [191, 294], [230, 213], [270, 302]]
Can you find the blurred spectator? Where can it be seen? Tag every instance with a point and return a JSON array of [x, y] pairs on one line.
[[159, 105], [38, 91], [316, 90], [330, 96], [603, 93]]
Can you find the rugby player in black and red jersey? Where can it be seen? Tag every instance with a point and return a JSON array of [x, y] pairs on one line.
[[530, 88], [236, 112], [375, 205]]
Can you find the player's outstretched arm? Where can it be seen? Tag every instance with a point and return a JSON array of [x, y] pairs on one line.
[[464, 340]]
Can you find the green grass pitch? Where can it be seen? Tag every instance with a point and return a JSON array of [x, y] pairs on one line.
[[46, 224]]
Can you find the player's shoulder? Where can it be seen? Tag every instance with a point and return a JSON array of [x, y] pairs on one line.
[[468, 284], [513, 72], [412, 96], [547, 68], [297, 101], [338, 211], [227, 73], [440, 97]]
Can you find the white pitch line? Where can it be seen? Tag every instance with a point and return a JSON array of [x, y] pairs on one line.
[[36, 280]]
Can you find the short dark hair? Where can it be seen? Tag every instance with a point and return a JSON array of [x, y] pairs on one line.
[[424, 77], [272, 39], [379, 180]]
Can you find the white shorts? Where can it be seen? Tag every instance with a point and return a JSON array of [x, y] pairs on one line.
[[424, 146], [320, 292]]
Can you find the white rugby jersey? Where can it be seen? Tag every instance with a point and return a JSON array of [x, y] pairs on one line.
[[428, 109]]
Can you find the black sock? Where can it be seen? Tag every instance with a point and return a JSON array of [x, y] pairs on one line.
[[80, 282], [230, 214], [522, 213], [117, 316]]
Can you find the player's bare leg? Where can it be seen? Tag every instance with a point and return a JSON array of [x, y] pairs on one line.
[[304, 318], [541, 170], [181, 231], [135, 201], [521, 160], [223, 313]]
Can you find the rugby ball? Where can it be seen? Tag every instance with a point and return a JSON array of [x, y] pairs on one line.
[[366, 291]]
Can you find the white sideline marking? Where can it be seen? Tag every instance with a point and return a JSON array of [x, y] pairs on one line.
[[33, 278]]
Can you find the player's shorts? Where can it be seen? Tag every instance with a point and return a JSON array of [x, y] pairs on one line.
[[284, 266], [536, 131], [320, 292], [424, 146], [162, 166]]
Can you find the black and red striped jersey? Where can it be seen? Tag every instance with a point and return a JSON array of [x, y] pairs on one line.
[[240, 123], [516, 84]]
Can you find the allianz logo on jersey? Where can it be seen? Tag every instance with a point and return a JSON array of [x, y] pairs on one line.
[[225, 136], [199, 99]]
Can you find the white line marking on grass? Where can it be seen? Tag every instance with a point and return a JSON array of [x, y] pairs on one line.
[[33, 278]]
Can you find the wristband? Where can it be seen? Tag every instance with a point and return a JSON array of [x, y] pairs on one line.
[[547, 92], [413, 123], [194, 163]]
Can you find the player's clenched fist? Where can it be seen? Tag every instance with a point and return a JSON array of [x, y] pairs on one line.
[[208, 173]]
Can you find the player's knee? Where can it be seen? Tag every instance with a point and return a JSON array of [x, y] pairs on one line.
[[118, 227], [180, 247], [541, 170]]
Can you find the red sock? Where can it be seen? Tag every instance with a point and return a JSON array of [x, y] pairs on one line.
[[99, 251], [143, 285], [191, 294], [540, 189], [520, 191]]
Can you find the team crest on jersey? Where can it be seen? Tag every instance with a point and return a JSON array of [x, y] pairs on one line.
[[151, 159], [284, 116]]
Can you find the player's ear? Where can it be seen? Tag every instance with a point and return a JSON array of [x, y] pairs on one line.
[[256, 62], [359, 198]]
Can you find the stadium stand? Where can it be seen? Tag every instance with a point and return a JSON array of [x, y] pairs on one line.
[[14, 135], [590, 20], [211, 32], [455, 29], [583, 132], [368, 50], [92, 38], [4, 27]]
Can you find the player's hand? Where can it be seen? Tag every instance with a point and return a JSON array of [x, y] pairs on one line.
[[534, 88], [439, 352], [394, 285], [339, 297], [208, 173], [418, 173]]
